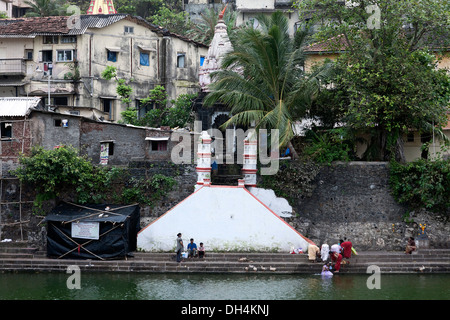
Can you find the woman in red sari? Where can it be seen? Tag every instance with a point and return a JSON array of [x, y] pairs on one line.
[[346, 248], [336, 258]]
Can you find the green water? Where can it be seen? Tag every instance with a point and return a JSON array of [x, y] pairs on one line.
[[113, 286]]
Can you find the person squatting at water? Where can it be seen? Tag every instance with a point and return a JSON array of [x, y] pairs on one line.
[[411, 246], [326, 269], [313, 252], [340, 251]]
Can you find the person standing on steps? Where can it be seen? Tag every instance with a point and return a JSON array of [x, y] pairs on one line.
[[180, 247], [346, 248]]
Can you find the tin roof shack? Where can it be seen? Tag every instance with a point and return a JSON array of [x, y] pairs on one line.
[[94, 232]]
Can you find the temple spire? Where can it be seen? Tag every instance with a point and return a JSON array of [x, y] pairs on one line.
[[101, 7], [219, 46]]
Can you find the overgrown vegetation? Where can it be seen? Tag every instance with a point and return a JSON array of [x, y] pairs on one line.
[[63, 173], [422, 184], [328, 146], [173, 113]]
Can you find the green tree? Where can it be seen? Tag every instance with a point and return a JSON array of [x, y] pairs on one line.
[[173, 113], [123, 89], [174, 21], [262, 79], [44, 8], [204, 31], [388, 67]]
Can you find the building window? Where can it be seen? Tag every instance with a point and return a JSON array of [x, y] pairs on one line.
[[181, 60], [65, 55], [50, 39], [202, 60], [108, 107], [112, 56], [143, 108], [28, 54], [128, 29], [47, 56], [106, 150], [68, 39], [144, 59], [159, 145], [6, 129], [109, 146]]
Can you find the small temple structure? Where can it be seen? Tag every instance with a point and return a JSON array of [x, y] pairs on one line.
[[101, 7], [220, 45]]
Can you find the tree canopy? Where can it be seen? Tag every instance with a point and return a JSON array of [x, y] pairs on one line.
[[388, 55]]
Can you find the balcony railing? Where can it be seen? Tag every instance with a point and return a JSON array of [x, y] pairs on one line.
[[13, 66]]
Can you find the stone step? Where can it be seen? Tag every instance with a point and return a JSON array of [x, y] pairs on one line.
[[395, 262], [105, 266]]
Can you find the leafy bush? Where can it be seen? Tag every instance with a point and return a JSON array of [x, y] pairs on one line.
[[147, 190], [178, 113], [61, 172], [53, 171], [328, 146], [422, 184]]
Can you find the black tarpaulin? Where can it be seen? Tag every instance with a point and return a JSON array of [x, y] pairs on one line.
[[115, 227]]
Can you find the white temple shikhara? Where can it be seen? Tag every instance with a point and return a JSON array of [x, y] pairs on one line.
[[219, 46]]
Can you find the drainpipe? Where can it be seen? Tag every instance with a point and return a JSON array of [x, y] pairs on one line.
[[164, 61], [90, 55], [131, 57]]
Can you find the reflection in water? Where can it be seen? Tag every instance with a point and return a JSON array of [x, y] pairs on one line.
[[106, 286]]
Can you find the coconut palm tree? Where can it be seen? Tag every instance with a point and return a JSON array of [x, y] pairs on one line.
[[43, 8], [262, 79], [203, 31]]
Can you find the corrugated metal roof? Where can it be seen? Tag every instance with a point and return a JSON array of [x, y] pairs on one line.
[[63, 25], [17, 106]]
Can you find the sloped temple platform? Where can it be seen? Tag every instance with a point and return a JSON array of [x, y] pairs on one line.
[[224, 218]]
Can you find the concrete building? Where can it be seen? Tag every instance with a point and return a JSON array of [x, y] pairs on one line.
[[14, 8], [61, 60]]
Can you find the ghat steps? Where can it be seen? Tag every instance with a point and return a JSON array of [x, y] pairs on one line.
[[22, 258]]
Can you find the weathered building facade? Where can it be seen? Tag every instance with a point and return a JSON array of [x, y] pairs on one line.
[[61, 59]]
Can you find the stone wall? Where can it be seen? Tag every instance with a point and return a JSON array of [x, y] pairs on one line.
[[352, 200], [184, 174]]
